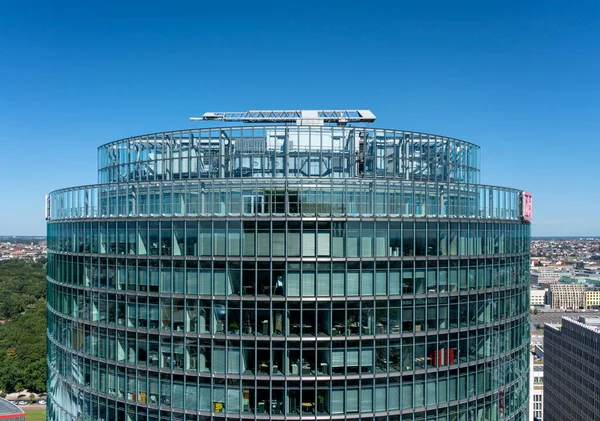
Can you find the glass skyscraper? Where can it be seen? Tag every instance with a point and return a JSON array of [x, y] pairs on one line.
[[288, 271]]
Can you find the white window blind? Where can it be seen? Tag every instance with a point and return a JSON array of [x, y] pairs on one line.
[[205, 282], [177, 395], [367, 245], [204, 398], [338, 284], [442, 390], [219, 239], [394, 397], [407, 394], [431, 397], [165, 280], [323, 289], [367, 283], [308, 284], [419, 393], [381, 247], [278, 243], [352, 400], [338, 246], [219, 395], [218, 360], [248, 243], [293, 284], [366, 399], [394, 282], [380, 398], [219, 282], [308, 244], [337, 358], [337, 401], [324, 242], [263, 243], [233, 361], [352, 356], [234, 398], [233, 243], [191, 395], [205, 244], [353, 281], [366, 357], [352, 244], [293, 248], [380, 283]]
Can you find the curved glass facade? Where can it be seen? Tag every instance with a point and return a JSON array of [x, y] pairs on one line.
[[286, 273]]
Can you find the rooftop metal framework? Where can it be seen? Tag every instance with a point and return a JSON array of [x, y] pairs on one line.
[[300, 117]]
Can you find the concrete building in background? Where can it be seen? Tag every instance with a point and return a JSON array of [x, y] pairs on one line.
[[567, 296], [592, 299], [538, 297], [536, 384], [304, 266], [572, 370]]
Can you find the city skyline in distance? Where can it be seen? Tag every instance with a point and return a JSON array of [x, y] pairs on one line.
[[515, 79]]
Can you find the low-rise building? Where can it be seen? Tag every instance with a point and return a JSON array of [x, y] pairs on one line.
[[538, 297], [536, 384], [568, 296], [592, 299]]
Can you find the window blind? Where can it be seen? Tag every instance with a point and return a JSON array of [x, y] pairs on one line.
[[353, 281], [394, 282], [308, 244], [394, 397], [380, 398], [352, 357], [366, 357], [293, 284], [323, 285], [337, 358], [293, 247], [338, 284], [278, 244], [337, 401], [380, 283], [263, 243], [234, 398], [352, 400], [366, 399], [233, 361], [324, 242], [218, 361], [308, 284], [367, 283]]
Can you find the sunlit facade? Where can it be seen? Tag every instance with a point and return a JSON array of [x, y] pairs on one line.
[[288, 272]]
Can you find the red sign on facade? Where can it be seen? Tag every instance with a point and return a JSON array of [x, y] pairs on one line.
[[527, 206]]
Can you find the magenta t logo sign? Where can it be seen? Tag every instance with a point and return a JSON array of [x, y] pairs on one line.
[[527, 206]]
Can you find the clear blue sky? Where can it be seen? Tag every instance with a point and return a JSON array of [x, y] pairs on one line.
[[520, 79]]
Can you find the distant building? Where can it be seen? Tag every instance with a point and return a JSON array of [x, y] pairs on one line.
[[538, 297], [592, 299], [9, 411], [572, 370], [545, 276], [567, 296], [536, 385]]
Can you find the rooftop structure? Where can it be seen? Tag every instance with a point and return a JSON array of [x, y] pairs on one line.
[[300, 117]]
